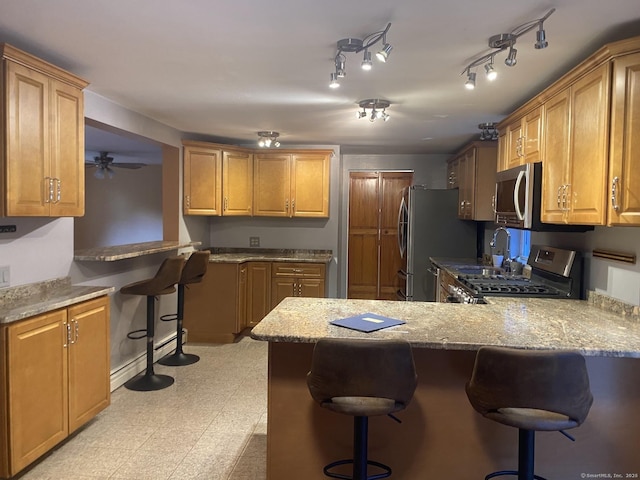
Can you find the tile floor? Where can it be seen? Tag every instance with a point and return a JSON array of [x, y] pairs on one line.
[[210, 424]]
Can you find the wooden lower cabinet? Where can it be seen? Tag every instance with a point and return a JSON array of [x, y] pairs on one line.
[[56, 369], [297, 280], [258, 295]]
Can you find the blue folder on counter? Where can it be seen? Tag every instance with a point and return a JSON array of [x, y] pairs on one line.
[[367, 322]]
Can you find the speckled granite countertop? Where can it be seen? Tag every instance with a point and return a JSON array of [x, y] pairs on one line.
[[26, 301], [525, 322], [120, 252], [239, 255]]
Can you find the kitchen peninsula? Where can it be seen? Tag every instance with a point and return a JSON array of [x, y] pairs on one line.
[[441, 436]]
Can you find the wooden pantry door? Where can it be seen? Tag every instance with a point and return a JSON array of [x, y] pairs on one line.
[[374, 258]]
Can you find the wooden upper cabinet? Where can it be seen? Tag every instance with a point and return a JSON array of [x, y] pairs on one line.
[[310, 185], [292, 184], [202, 179], [43, 157], [271, 184], [476, 174], [624, 158], [237, 183], [520, 140], [576, 151]]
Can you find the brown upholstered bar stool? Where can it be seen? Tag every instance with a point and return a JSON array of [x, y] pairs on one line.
[[531, 390], [162, 283], [193, 272], [362, 378]]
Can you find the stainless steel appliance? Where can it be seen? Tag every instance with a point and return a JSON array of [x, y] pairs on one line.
[[518, 200], [428, 226], [555, 273]]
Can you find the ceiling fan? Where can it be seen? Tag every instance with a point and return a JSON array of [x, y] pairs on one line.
[[104, 162]]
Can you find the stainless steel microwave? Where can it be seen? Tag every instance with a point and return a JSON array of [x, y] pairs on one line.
[[518, 200]]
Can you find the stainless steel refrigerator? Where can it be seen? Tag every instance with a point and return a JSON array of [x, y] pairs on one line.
[[428, 226]]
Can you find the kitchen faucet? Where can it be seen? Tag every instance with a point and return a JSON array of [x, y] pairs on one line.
[[492, 244]]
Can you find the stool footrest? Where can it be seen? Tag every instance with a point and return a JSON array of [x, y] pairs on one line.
[[169, 317], [385, 474], [137, 334], [509, 472]]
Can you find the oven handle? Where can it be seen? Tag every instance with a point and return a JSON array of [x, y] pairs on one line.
[[516, 199]]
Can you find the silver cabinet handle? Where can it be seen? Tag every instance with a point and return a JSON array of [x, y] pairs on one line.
[[293, 205], [559, 195], [226, 204], [77, 330], [67, 338], [565, 197], [614, 193], [187, 200], [58, 190], [48, 192]]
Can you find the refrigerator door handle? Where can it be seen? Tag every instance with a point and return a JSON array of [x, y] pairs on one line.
[[402, 227], [402, 274], [401, 296]]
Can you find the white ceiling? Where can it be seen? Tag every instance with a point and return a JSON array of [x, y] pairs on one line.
[[228, 69]]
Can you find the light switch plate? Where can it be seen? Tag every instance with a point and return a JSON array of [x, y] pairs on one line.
[[5, 278]]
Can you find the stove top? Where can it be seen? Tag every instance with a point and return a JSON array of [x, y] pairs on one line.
[[500, 285]]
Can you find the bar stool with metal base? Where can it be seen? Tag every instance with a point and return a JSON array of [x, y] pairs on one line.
[[531, 390], [162, 283], [362, 378], [193, 272]]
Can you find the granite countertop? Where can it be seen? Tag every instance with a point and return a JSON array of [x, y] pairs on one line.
[[239, 255], [25, 301], [531, 323], [131, 250]]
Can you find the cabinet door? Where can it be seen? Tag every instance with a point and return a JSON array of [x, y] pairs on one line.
[[589, 148], [281, 288], [37, 386], [237, 183], [555, 158], [89, 363], [67, 150], [28, 179], [624, 166], [311, 287], [271, 184], [202, 181], [532, 136], [258, 291], [310, 185]]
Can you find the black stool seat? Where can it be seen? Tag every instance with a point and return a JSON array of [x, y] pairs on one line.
[[531, 390], [193, 272], [361, 378], [162, 283]]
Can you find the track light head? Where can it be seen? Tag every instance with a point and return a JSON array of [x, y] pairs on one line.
[[511, 60], [378, 109], [491, 73], [366, 61], [470, 84], [334, 81], [541, 40], [268, 139], [383, 54]]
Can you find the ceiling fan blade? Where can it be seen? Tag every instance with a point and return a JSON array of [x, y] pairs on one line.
[[91, 164], [128, 165]]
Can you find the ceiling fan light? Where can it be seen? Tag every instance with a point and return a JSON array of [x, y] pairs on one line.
[[99, 173]]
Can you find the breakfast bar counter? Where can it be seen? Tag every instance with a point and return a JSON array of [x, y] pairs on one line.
[[441, 436]]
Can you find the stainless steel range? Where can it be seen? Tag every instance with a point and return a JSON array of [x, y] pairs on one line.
[[555, 273]]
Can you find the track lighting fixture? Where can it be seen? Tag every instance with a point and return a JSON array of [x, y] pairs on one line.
[[268, 139], [489, 131], [470, 84], [377, 109], [356, 45], [504, 41]]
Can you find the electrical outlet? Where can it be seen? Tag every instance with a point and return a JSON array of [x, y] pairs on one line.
[[7, 228], [5, 276], [254, 241]]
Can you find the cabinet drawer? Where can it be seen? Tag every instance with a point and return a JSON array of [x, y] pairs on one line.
[[306, 270]]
